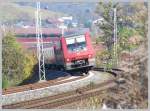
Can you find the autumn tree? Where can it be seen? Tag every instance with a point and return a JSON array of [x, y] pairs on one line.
[[105, 10], [16, 64], [140, 19], [134, 93], [131, 22]]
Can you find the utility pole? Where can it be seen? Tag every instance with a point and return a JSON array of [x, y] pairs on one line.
[[115, 38], [62, 27], [39, 38]]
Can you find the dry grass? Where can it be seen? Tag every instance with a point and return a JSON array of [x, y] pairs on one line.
[[12, 11]]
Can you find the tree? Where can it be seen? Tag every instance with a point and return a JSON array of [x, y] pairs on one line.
[[131, 20], [105, 10], [140, 19], [16, 65], [134, 93]]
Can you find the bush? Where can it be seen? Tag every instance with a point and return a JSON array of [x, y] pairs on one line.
[[5, 82], [124, 35]]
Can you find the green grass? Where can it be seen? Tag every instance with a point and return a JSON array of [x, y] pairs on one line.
[[11, 12]]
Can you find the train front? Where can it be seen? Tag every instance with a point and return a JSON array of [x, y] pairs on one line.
[[78, 51]]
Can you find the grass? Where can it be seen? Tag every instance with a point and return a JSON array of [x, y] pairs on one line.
[[11, 12]]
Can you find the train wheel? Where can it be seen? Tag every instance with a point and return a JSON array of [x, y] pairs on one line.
[[86, 72]]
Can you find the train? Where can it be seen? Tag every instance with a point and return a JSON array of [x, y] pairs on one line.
[[70, 51]]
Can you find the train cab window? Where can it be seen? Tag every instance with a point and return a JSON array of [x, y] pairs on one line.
[[76, 43]]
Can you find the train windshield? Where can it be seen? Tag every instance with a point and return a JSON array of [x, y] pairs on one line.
[[76, 43]]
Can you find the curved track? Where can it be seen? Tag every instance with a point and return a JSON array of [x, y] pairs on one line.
[[39, 85], [34, 86], [67, 97], [63, 98]]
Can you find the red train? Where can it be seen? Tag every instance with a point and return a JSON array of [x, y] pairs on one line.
[[70, 51]]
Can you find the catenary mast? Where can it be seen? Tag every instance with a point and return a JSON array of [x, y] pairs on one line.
[[39, 38]]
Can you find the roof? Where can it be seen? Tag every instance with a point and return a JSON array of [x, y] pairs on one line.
[[22, 40], [32, 30], [49, 32]]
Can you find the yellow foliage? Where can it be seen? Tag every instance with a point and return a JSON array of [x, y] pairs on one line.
[[29, 65]]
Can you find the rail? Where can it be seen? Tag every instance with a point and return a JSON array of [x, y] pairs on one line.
[[64, 98], [38, 85]]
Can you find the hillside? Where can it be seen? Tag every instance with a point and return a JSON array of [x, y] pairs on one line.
[[80, 11], [12, 12]]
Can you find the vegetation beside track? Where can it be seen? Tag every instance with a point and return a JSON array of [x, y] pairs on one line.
[[132, 30], [132, 49], [17, 64]]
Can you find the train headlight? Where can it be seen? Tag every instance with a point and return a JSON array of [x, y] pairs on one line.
[[84, 49], [90, 55], [68, 60]]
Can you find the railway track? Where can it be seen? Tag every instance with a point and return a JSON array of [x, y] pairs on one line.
[[39, 85], [114, 71], [64, 98], [52, 82]]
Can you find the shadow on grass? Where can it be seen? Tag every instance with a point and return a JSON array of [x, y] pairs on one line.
[[49, 75]]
